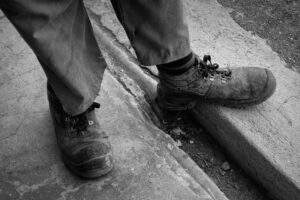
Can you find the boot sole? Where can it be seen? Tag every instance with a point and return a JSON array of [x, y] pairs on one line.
[[168, 105]]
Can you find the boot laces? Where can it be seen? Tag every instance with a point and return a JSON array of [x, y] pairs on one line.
[[207, 69], [79, 123]]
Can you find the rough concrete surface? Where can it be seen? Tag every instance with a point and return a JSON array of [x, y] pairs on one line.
[[278, 23], [148, 165], [264, 139]]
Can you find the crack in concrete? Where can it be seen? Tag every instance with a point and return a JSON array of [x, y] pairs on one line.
[[23, 189], [261, 113], [68, 190], [287, 100], [7, 47], [16, 131]]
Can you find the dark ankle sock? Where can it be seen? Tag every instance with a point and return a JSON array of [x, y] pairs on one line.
[[178, 66]]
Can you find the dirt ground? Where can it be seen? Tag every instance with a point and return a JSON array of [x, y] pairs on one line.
[[277, 21], [212, 158]]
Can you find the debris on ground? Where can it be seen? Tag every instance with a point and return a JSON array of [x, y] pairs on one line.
[[222, 172], [225, 166], [204, 150], [178, 143], [177, 131]]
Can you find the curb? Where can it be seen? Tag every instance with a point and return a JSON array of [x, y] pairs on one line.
[[149, 87]]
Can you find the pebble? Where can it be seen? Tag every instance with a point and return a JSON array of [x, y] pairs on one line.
[[179, 144], [177, 131], [225, 166], [169, 146], [222, 172]]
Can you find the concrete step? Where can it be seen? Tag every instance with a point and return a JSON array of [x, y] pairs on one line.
[[148, 164], [263, 139]]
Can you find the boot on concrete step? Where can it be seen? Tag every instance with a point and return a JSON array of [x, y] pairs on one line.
[[206, 82], [84, 146]]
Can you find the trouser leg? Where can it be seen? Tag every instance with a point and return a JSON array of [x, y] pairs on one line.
[[156, 29], [60, 34]]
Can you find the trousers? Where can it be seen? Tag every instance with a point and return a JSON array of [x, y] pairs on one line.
[[60, 34]]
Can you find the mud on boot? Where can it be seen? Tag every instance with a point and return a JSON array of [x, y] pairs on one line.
[[206, 82], [84, 146]]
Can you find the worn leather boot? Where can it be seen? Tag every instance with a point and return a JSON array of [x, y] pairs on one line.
[[205, 82], [84, 146]]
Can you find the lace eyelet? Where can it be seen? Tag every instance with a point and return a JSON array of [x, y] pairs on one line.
[[90, 122]]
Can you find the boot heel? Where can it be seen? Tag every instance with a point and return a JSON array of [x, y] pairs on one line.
[[173, 106], [173, 103]]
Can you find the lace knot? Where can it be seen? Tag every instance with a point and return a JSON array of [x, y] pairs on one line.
[[79, 123], [206, 68]]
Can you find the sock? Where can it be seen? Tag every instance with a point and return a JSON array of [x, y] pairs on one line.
[[177, 67]]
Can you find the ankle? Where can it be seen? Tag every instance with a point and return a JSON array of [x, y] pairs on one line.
[[177, 67]]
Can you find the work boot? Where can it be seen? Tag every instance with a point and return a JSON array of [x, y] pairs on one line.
[[84, 146], [205, 82]]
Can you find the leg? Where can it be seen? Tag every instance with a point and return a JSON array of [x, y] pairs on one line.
[[158, 33], [157, 29], [61, 36]]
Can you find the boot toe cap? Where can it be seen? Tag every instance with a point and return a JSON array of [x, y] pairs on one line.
[[270, 84], [89, 161]]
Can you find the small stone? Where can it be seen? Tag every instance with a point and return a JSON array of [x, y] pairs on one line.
[[177, 131], [212, 160], [191, 142], [222, 172], [158, 166], [178, 143], [225, 166]]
